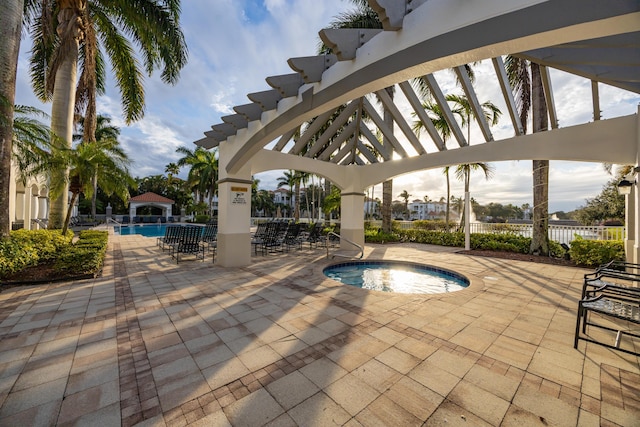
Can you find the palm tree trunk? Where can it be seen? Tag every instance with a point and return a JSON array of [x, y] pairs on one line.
[[64, 95], [387, 186], [94, 183], [10, 27], [296, 208], [540, 233], [67, 217], [327, 191]]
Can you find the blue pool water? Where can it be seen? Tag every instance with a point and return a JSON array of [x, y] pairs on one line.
[[396, 276], [148, 230]]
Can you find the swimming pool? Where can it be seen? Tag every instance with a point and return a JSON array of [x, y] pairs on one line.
[[147, 230], [397, 276]]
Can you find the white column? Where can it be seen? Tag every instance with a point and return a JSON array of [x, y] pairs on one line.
[[43, 211], [27, 209], [630, 225], [351, 219], [636, 195], [35, 204], [234, 219], [19, 214], [467, 221]]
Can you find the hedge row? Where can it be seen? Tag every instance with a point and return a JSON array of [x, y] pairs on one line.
[[582, 252], [86, 256], [25, 248], [592, 253]]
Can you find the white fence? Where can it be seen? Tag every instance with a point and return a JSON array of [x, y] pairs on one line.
[[560, 233]]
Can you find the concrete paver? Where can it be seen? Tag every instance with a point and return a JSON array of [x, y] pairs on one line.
[[152, 343]]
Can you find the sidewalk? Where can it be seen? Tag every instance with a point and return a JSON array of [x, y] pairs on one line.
[[155, 343]]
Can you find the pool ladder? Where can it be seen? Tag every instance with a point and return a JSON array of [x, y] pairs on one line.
[[344, 254], [115, 223]]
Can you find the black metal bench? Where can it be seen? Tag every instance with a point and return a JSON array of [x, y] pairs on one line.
[[612, 302]]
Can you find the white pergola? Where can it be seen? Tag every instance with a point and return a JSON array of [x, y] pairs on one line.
[[596, 40]]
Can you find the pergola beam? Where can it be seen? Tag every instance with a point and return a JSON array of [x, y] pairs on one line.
[[507, 93]]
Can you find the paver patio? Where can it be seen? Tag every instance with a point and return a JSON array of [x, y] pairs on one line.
[[276, 343]]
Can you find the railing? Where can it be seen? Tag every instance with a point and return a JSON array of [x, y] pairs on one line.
[[560, 233], [335, 254], [41, 223], [115, 223]]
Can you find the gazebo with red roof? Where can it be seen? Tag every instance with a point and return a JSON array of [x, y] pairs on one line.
[[150, 199]]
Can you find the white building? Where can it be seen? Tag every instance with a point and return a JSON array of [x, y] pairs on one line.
[[419, 209], [28, 202]]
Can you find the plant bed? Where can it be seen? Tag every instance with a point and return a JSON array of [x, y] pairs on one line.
[[42, 273]]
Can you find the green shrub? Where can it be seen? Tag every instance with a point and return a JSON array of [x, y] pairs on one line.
[[201, 219], [47, 243], [378, 236], [431, 224], [86, 256], [16, 256], [592, 253]]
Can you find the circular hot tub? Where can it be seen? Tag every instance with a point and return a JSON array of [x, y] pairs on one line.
[[396, 276]]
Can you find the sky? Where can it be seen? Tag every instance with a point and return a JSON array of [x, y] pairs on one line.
[[235, 44]]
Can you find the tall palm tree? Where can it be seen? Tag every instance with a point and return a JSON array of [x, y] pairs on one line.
[[405, 196], [10, 29], [106, 137], [171, 170], [85, 162], [191, 158], [492, 115], [204, 172], [68, 33], [442, 126], [31, 139], [463, 173], [288, 179], [526, 81]]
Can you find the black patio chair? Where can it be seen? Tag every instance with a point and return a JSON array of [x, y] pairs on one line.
[[292, 237], [210, 236], [616, 308], [256, 239], [274, 237], [190, 242], [315, 235], [171, 237]]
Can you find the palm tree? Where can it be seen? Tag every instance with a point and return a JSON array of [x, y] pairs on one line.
[[526, 81], [262, 201], [31, 140], [106, 137], [463, 173], [405, 196], [492, 114], [85, 162], [204, 173], [171, 170], [10, 29], [442, 126], [288, 179], [70, 32], [199, 159]]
